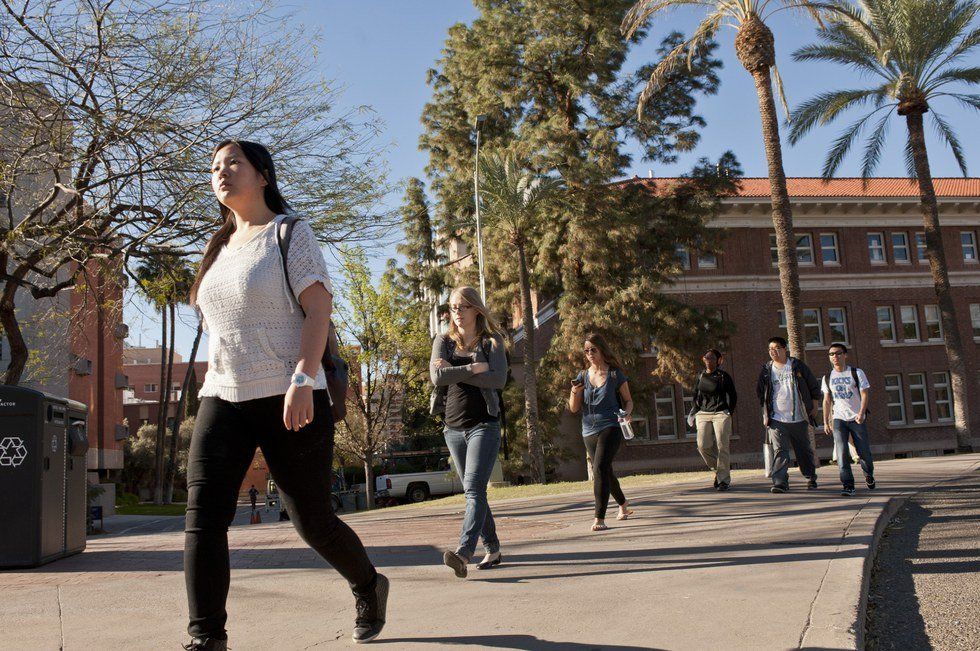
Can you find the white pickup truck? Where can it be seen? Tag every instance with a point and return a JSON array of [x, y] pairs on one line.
[[419, 486]]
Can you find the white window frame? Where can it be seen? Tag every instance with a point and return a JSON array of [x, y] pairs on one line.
[[833, 247], [773, 250], [920, 248], [975, 320], [942, 385], [683, 255], [687, 402], [819, 325], [662, 400], [150, 388], [969, 248], [923, 389], [880, 247], [902, 244], [935, 318], [641, 428], [707, 261], [842, 323], [896, 387], [915, 322], [890, 322], [808, 248]]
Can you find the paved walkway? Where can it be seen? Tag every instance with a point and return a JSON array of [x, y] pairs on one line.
[[696, 569]]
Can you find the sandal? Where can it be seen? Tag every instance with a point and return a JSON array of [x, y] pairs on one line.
[[599, 527], [624, 515]]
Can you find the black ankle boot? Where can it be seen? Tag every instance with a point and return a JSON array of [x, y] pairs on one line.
[[371, 612]]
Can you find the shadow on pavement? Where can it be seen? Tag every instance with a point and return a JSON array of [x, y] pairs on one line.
[[513, 642]]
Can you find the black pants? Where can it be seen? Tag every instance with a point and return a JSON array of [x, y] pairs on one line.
[[602, 449], [225, 437]]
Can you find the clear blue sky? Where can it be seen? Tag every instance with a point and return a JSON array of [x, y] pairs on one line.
[[379, 51]]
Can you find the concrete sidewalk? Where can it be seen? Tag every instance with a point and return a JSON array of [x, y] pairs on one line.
[[695, 569]]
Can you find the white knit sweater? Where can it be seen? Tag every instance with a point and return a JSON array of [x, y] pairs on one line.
[[253, 324]]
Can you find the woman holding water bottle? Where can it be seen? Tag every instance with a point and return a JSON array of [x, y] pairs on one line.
[[602, 394]]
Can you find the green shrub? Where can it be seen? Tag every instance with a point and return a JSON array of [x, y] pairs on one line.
[[127, 499]]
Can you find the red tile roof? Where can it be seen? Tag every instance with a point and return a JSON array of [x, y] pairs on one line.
[[847, 187]]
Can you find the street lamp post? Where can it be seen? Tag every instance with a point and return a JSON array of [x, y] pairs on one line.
[[480, 119]]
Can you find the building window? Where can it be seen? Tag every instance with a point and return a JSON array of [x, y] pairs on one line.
[[910, 323], [876, 248], [975, 319], [934, 326], [773, 250], [707, 261], [918, 398], [837, 322], [149, 388], [641, 428], [680, 251], [804, 249], [900, 248], [688, 399], [920, 248], [969, 242], [828, 248], [886, 324], [666, 415], [812, 328], [896, 403], [944, 396]]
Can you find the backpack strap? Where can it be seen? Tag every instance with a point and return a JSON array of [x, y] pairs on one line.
[[854, 376], [826, 382], [284, 235]]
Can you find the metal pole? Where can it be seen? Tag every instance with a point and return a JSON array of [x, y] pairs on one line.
[[476, 201]]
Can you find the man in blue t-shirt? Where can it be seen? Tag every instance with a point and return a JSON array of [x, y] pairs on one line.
[[845, 410]]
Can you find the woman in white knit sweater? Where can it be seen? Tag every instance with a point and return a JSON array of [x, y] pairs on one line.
[[264, 388]]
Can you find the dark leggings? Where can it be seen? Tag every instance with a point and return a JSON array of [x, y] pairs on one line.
[[602, 449], [225, 437]]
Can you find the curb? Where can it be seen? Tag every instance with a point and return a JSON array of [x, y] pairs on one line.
[[839, 609]]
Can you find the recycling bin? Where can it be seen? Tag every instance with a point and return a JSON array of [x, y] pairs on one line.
[[43, 508]]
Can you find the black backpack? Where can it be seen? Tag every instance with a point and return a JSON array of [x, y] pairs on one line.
[[334, 366]]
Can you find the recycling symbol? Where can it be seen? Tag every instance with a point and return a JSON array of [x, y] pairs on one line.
[[12, 451]]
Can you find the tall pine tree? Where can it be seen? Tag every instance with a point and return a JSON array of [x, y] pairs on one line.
[[549, 76]]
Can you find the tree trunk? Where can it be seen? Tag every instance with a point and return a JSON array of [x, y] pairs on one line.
[[534, 445], [368, 478], [782, 215], [940, 278], [161, 416], [170, 380], [15, 338], [185, 386]]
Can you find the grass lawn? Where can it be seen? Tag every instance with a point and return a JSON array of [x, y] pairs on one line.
[[152, 509], [561, 488]]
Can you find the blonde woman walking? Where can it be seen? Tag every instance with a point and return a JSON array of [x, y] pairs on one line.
[[469, 368]]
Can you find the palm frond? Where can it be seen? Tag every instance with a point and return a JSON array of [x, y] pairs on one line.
[[947, 135], [778, 83], [670, 63], [910, 160], [967, 100], [842, 145], [874, 146], [640, 13], [824, 108], [953, 75], [849, 55]]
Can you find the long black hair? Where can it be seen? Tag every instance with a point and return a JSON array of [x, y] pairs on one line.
[[259, 158]]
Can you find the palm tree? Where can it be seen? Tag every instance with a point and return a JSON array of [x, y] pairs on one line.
[[514, 199], [756, 50], [912, 51], [180, 277]]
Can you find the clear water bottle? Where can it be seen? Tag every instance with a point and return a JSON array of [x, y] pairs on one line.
[[625, 425]]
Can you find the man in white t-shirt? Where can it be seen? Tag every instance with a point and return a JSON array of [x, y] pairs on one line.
[[845, 409]]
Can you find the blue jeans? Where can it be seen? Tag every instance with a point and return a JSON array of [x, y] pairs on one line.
[[474, 452], [858, 432]]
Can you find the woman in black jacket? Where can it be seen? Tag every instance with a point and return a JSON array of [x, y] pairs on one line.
[[714, 404]]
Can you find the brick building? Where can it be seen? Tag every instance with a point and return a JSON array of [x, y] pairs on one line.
[[864, 281]]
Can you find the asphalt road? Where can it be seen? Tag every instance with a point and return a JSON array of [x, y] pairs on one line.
[[136, 525], [925, 586]]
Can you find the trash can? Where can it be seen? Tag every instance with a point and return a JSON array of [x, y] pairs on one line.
[[43, 442]]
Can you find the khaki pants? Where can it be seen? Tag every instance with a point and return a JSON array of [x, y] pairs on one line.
[[714, 431]]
